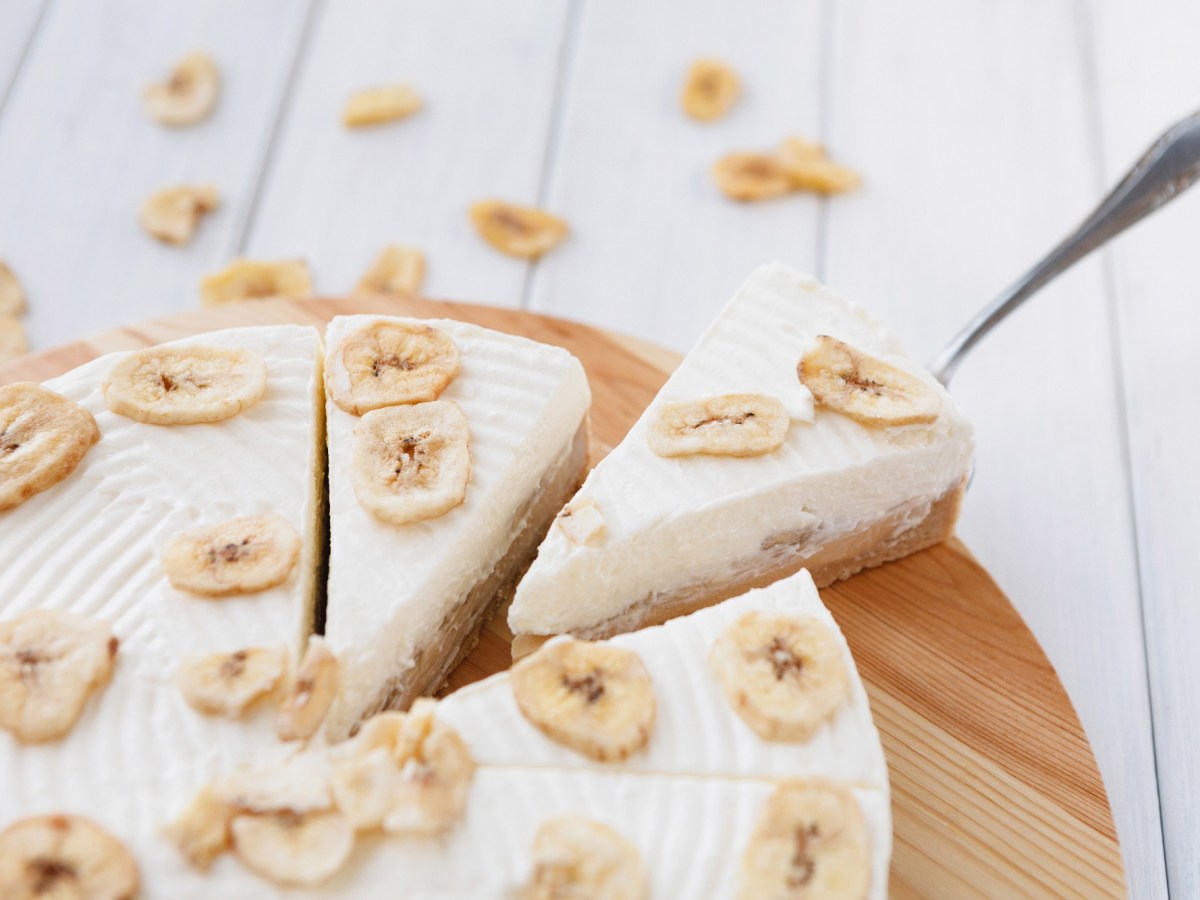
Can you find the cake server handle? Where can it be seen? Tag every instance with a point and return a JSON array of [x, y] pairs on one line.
[[1166, 170]]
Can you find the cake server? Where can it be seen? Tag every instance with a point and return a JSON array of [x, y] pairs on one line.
[[1166, 170]]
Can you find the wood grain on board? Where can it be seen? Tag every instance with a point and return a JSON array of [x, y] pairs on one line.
[[995, 791]]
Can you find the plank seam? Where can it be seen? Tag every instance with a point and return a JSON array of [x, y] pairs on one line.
[[34, 31], [1086, 31], [262, 170], [555, 128], [828, 31]]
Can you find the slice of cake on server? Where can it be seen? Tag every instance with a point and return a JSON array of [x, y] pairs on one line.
[[795, 434]]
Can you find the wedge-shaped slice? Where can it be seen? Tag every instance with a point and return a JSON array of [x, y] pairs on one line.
[[406, 600], [871, 470], [93, 546], [699, 722]]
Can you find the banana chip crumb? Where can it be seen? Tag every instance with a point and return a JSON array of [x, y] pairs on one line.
[[375, 106]]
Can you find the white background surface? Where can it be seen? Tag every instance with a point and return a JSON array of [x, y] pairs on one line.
[[984, 131]]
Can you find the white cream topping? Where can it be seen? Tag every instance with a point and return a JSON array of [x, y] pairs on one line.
[[390, 586], [91, 545], [673, 522], [696, 732]]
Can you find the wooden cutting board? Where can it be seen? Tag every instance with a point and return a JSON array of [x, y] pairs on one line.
[[995, 791]]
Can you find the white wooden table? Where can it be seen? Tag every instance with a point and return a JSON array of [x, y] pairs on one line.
[[985, 130]]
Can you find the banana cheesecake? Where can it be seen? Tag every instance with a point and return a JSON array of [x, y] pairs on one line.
[[728, 753], [451, 449], [160, 511], [796, 433]]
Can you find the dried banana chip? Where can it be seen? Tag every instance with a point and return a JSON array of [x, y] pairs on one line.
[[51, 662], [388, 364], [710, 91], [312, 692], [201, 832], [13, 342], [397, 270], [752, 176], [250, 279], [810, 844], [596, 699], [729, 425], [865, 388], [63, 857], [241, 556], [576, 857], [12, 295], [582, 522], [188, 96], [43, 437], [226, 684], [784, 675], [520, 231], [374, 106], [172, 214], [188, 385], [411, 463], [810, 168]]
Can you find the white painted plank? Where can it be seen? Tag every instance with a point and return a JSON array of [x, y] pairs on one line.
[[1148, 71], [20, 18], [78, 156], [970, 121], [487, 72], [655, 248]]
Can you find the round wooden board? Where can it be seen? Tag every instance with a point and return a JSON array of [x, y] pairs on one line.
[[995, 791]]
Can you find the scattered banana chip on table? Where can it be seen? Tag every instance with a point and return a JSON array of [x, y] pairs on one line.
[[728, 425], [188, 96], [241, 556], [172, 214], [43, 437], [809, 842], [185, 385], [375, 106], [12, 295], [797, 165], [51, 662], [520, 231], [64, 856], [576, 857], [397, 270], [13, 342], [870, 390], [250, 279], [710, 91]]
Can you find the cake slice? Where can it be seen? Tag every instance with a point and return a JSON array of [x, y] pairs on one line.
[[89, 561], [795, 434], [752, 769], [451, 449]]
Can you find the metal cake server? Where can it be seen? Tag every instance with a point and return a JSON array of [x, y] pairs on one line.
[[1165, 171]]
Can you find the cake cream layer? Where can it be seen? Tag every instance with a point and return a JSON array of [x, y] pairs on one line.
[[91, 545], [689, 832], [686, 522], [696, 732], [392, 586]]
